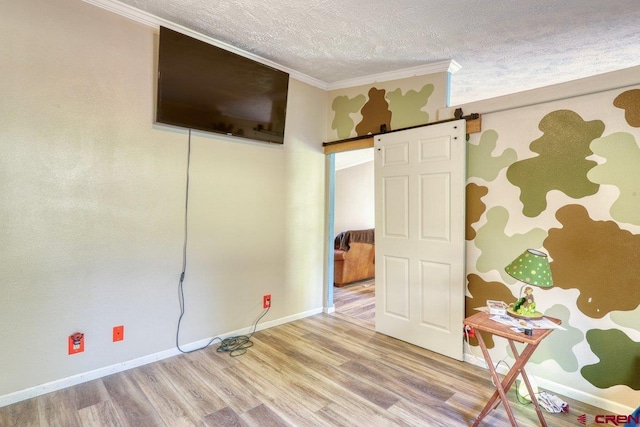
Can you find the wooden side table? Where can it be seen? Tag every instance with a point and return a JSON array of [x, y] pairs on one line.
[[481, 322]]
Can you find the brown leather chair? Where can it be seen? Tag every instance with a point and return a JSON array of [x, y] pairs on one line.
[[356, 264]]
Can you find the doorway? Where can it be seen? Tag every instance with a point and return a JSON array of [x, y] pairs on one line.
[[354, 209]]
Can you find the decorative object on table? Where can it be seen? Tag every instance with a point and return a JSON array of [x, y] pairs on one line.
[[531, 268], [497, 307]]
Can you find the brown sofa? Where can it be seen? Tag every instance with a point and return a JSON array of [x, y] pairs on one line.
[[354, 257]]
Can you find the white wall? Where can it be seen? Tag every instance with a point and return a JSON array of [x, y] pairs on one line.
[[354, 198], [92, 202]]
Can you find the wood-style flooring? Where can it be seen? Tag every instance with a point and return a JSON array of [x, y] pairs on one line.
[[317, 371], [356, 303]]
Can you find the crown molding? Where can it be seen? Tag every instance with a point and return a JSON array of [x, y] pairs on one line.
[[156, 22], [129, 12], [449, 66]]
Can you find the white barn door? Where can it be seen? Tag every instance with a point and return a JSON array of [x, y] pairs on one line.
[[420, 245]]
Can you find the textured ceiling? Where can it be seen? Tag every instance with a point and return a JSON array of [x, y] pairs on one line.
[[503, 46]]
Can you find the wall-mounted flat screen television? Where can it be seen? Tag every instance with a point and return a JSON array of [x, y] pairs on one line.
[[204, 87]]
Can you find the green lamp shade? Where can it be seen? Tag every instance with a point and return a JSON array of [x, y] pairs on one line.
[[532, 267]]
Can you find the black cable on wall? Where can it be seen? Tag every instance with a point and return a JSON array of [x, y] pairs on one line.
[[235, 346]]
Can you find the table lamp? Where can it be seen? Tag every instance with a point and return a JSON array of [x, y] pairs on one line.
[[531, 268]]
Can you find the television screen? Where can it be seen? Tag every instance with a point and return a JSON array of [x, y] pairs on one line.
[[204, 87]]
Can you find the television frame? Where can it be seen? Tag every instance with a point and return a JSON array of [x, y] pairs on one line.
[[204, 87]]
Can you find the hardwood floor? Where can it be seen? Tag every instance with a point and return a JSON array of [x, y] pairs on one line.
[[356, 303], [317, 371]]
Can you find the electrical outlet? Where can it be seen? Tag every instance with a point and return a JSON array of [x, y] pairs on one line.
[[266, 301], [469, 332], [76, 343], [118, 333]]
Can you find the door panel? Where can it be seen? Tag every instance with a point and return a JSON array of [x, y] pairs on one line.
[[434, 207], [396, 215], [420, 179], [435, 289], [397, 299]]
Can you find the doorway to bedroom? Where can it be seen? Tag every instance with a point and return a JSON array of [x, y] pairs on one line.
[[354, 222]]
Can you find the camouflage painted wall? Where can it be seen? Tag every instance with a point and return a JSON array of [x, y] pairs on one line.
[[397, 104], [564, 177]]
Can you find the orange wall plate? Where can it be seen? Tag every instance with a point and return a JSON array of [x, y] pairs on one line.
[[76, 343], [118, 333]]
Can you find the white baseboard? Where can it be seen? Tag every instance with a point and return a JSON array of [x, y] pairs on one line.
[[562, 389], [49, 387]]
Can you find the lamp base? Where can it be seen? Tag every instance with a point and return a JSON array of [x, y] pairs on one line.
[[534, 315]]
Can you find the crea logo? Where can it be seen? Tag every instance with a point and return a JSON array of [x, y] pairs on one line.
[[616, 420], [584, 419]]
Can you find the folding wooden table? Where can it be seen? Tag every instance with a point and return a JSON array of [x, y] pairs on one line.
[[481, 322]]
